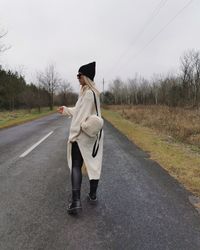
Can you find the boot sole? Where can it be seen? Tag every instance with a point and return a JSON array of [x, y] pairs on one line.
[[74, 210], [93, 202]]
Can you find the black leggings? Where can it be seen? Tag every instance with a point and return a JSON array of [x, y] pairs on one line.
[[76, 176], [77, 162]]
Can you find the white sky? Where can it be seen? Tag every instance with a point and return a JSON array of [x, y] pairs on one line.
[[72, 33]]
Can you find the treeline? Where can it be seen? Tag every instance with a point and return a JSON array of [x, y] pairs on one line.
[[50, 90], [180, 89]]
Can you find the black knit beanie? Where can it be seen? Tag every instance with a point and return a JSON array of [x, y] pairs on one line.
[[88, 70]]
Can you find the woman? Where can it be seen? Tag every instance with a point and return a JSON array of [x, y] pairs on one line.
[[80, 145]]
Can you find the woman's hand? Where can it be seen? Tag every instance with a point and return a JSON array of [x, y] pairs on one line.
[[63, 110], [60, 109]]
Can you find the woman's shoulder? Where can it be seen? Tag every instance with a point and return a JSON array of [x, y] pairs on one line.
[[89, 94]]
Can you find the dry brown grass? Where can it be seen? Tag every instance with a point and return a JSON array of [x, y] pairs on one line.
[[182, 124]]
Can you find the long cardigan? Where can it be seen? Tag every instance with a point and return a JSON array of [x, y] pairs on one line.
[[84, 107]]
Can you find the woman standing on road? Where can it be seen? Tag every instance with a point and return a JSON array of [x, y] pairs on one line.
[[80, 146]]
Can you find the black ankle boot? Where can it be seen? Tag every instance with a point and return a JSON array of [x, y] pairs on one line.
[[92, 199], [75, 204], [93, 189]]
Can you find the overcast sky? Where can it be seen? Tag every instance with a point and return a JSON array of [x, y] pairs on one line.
[[122, 36]]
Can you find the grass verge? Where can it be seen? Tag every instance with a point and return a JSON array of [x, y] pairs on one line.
[[182, 161], [16, 117]]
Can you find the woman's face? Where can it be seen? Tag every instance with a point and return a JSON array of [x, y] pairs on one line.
[[81, 79]]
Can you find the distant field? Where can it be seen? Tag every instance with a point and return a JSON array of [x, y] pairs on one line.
[[8, 119], [171, 137]]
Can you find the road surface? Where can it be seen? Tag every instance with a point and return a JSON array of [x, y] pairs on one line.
[[140, 205]]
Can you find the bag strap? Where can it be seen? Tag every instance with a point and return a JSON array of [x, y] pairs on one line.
[[95, 101], [95, 150]]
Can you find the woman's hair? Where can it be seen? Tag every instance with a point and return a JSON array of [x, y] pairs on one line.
[[91, 84]]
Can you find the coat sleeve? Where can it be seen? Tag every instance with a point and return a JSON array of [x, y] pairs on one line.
[[68, 111]]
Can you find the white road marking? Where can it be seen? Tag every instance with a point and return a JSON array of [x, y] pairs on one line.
[[35, 145]]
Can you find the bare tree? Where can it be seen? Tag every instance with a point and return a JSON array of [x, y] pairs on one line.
[[155, 81], [133, 90], [115, 88], [144, 90], [50, 80], [190, 74], [65, 91], [196, 77]]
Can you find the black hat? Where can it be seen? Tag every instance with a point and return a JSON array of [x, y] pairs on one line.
[[88, 70]]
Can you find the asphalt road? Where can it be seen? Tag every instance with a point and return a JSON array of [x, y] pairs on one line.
[[140, 205]]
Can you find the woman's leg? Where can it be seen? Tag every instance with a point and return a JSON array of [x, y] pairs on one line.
[[76, 175], [76, 179]]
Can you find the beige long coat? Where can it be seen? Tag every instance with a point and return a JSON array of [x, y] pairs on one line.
[[84, 107]]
